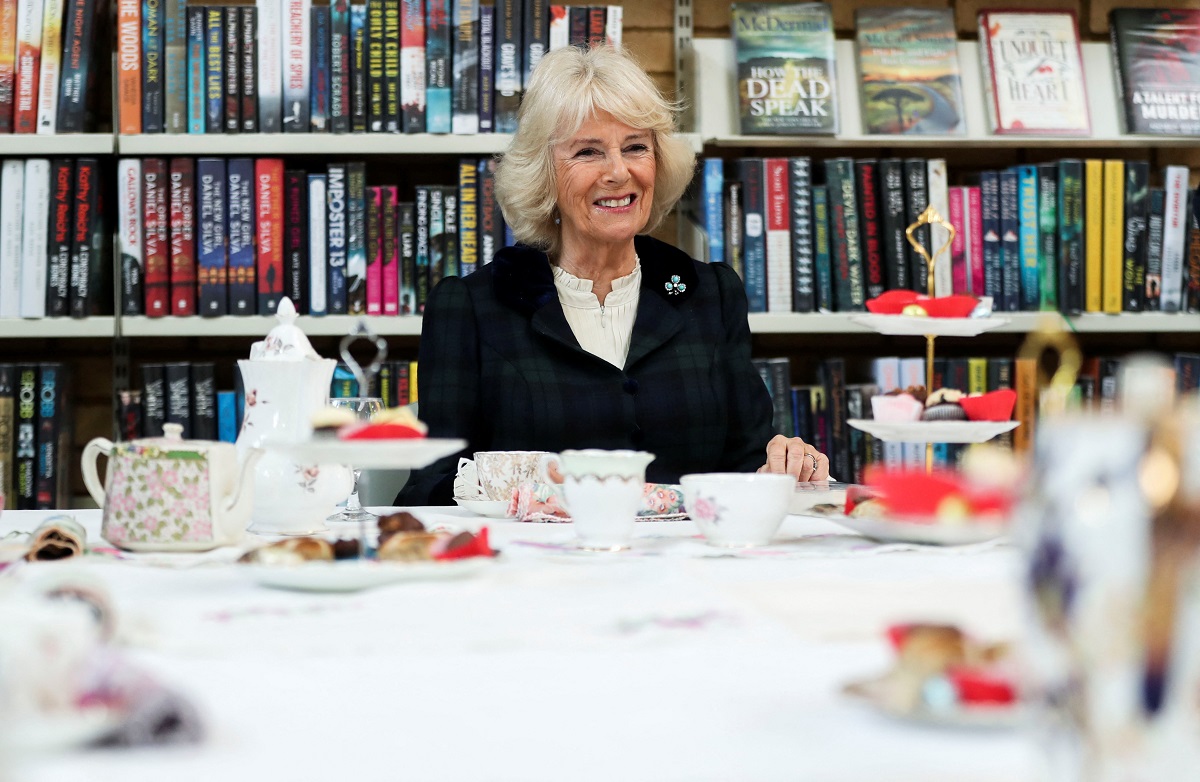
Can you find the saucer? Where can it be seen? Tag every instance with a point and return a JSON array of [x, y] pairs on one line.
[[356, 575], [492, 509]]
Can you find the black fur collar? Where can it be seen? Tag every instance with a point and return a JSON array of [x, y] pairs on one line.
[[522, 279]]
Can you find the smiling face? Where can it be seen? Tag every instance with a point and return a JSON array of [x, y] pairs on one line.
[[605, 182]]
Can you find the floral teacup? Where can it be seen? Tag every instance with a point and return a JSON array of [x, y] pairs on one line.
[[737, 509]]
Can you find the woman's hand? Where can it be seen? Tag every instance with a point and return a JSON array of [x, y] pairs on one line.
[[795, 457]]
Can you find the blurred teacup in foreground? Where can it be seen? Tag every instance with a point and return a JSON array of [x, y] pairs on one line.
[[500, 472], [603, 491], [737, 509]]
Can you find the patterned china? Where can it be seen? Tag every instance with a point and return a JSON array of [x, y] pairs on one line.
[[737, 509], [501, 472], [603, 491]]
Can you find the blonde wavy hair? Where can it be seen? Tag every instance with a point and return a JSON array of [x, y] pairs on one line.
[[569, 86]]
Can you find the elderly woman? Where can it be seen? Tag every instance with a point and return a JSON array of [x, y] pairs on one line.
[[588, 333]]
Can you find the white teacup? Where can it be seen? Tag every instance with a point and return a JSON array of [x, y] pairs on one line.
[[603, 492], [737, 509], [500, 472]]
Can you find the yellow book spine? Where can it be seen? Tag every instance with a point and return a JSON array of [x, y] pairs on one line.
[[1114, 234], [977, 376], [412, 382], [1093, 190]]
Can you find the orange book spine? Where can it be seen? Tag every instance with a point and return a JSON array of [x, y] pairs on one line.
[[129, 66], [1026, 382], [29, 60], [8, 62]]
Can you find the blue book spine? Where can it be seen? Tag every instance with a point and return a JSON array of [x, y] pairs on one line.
[[1027, 217], [335, 230], [989, 201], [1010, 241], [196, 50], [714, 212], [358, 68], [318, 106], [242, 283], [214, 74], [152, 66], [211, 266], [509, 238], [754, 253], [822, 259], [437, 60], [227, 423]]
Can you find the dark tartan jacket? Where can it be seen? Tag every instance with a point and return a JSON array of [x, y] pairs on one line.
[[501, 368]]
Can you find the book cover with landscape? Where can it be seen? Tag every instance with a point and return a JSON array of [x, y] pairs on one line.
[[785, 68], [1157, 57], [908, 65], [1033, 73]]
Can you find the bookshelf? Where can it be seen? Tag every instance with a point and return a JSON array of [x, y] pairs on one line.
[[256, 326], [76, 144], [98, 327]]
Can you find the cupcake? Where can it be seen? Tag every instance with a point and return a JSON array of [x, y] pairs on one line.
[[943, 405]]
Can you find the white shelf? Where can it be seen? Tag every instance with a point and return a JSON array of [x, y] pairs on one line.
[[60, 144], [1019, 323], [100, 327], [257, 326], [351, 144], [716, 110]]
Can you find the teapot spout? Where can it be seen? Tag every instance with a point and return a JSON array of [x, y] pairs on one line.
[[240, 503]]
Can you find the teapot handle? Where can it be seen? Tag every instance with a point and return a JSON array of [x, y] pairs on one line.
[[91, 477]]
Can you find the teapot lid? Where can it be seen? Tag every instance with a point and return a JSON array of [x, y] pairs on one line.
[[285, 342]]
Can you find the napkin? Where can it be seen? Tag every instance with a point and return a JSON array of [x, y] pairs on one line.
[[466, 482], [543, 502]]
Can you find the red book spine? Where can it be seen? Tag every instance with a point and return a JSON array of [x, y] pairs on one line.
[[268, 175], [958, 245], [8, 62], [183, 236], [29, 59], [390, 250], [374, 249], [157, 238], [975, 239]]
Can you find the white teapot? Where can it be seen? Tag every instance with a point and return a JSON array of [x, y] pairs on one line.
[[170, 494], [286, 382]]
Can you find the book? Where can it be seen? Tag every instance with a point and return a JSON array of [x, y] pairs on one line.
[[8, 424], [822, 254], [295, 238], [197, 78], [713, 172], [800, 199], [993, 248], [373, 246], [376, 113], [1027, 236], [535, 38], [240, 198], [91, 291], [211, 261], [358, 69], [1093, 223], [438, 111], [846, 248], [1133, 246], [318, 273], [465, 67], [487, 68], [959, 262], [8, 63], [335, 237], [183, 236], [785, 68], [174, 64], [129, 66], [177, 393], [318, 94], [1010, 240], [893, 223], [62, 214], [157, 237], [227, 426], [1071, 250], [78, 49], [270, 65], [203, 396], [1157, 69], [975, 255], [938, 184], [406, 241], [339, 66], [420, 276], [778, 235], [53, 437], [870, 227], [231, 57], [391, 66], [214, 69], [295, 65], [129, 234], [734, 228], [1114, 235], [916, 198], [268, 221], [909, 72], [51, 66], [412, 65], [25, 449], [509, 63], [1033, 73], [468, 216], [1175, 223], [12, 203], [34, 238], [1152, 293], [832, 372], [390, 251], [356, 251], [754, 240], [1049, 266], [450, 226], [248, 69]]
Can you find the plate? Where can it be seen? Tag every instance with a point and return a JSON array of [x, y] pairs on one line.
[[933, 534], [975, 717], [808, 494], [492, 509], [913, 326], [47, 734], [933, 431], [399, 454], [354, 575]]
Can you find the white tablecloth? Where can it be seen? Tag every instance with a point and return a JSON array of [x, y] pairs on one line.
[[656, 665]]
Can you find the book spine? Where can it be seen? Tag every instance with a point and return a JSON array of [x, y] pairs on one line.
[[318, 96], [248, 70], [465, 67], [1048, 258], [491, 221], [8, 63], [975, 240], [1071, 251], [297, 41], [269, 201], [34, 237], [833, 377], [391, 66], [1175, 221], [870, 228], [1152, 293], [437, 66], [779, 235], [212, 263], [916, 198], [231, 57], [822, 251], [396, 240], [713, 186], [1192, 286], [129, 66], [227, 428], [1133, 256], [156, 216], [420, 277], [376, 115], [129, 234], [335, 237], [51, 426], [509, 63], [1010, 240], [358, 69], [778, 378], [197, 79], [26, 439], [1025, 383], [77, 56], [750, 172], [204, 401], [85, 266], [51, 68], [613, 25], [62, 208], [1027, 219], [800, 178], [270, 65], [535, 38], [844, 235], [318, 270], [339, 67], [8, 426], [152, 62], [214, 70], [12, 202], [1114, 234], [468, 216], [939, 197], [450, 260], [735, 223], [596, 16], [178, 390], [154, 400], [557, 34], [1094, 241], [895, 245], [958, 246], [487, 68], [295, 247], [356, 250], [240, 235], [174, 27], [183, 237], [993, 247], [374, 250]]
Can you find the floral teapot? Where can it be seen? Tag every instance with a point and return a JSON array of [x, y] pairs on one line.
[[170, 494], [285, 383]]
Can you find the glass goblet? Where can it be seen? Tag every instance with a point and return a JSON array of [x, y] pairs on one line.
[[363, 407]]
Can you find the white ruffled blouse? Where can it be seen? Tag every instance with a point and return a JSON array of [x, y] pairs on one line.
[[602, 330]]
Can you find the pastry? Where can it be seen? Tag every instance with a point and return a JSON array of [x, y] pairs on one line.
[[407, 547], [291, 551], [398, 522], [327, 421]]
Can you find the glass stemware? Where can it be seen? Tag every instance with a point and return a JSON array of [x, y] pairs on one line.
[[363, 407]]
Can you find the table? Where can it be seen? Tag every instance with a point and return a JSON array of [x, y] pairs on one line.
[[554, 665]]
